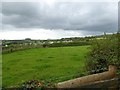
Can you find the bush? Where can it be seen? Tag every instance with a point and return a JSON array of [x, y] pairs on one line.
[[35, 84], [104, 52], [62, 44]]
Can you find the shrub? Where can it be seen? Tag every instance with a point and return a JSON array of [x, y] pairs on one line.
[[62, 44], [104, 52]]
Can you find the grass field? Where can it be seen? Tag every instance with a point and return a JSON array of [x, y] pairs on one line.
[[0, 70], [43, 64]]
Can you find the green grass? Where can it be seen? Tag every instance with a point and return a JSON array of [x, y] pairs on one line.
[[42, 64], [0, 70]]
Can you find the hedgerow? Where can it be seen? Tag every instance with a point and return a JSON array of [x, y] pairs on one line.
[[104, 52]]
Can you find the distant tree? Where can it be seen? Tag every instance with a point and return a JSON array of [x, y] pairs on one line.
[[44, 45], [27, 38]]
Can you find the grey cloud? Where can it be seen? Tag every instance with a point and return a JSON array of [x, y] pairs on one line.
[[119, 16], [66, 16]]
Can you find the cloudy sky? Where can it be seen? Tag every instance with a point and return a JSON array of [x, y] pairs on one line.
[[50, 19]]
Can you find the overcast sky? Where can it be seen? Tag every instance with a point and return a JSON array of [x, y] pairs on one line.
[[49, 19]]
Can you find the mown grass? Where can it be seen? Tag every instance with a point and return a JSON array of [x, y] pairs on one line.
[[43, 64]]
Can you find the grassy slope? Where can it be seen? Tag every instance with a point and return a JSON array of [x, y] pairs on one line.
[[42, 64], [0, 70]]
